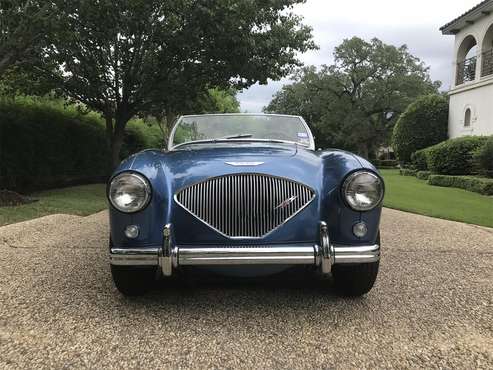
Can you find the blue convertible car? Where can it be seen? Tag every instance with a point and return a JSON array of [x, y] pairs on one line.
[[244, 195]]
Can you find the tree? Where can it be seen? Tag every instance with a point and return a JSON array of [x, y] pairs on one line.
[[125, 58], [218, 101], [305, 97], [22, 24], [355, 102], [212, 101], [424, 123], [19, 80]]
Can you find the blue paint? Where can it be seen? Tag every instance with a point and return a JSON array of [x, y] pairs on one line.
[[168, 172]]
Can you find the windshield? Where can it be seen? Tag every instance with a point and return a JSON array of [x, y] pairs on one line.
[[240, 127]]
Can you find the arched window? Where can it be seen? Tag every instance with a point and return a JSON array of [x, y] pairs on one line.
[[466, 60], [487, 53], [467, 118]]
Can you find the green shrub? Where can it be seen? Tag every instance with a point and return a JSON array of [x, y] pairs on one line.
[[140, 135], [476, 184], [407, 172], [454, 156], [423, 123], [419, 161], [385, 163], [423, 175], [483, 158], [44, 144]]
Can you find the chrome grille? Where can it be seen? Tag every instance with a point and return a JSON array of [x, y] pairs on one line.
[[245, 205]]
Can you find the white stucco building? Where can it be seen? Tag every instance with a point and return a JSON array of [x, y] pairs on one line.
[[471, 94]]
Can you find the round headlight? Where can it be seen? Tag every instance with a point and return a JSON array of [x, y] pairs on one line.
[[363, 190], [129, 192]]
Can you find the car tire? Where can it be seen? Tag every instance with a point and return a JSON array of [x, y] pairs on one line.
[[133, 281], [354, 280]]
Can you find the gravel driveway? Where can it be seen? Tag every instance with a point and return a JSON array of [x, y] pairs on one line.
[[432, 306]]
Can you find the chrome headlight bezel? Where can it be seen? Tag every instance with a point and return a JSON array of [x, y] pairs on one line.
[[351, 202], [134, 176]]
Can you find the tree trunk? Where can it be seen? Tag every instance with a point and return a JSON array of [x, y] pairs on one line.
[[170, 119], [109, 128], [109, 140], [115, 130], [117, 140], [116, 146]]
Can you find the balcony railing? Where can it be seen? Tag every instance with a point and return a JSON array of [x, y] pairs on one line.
[[466, 71], [487, 64]]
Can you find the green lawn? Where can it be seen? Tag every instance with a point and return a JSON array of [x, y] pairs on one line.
[[402, 192], [407, 193], [78, 200]]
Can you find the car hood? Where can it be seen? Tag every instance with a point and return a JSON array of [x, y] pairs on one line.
[[181, 168]]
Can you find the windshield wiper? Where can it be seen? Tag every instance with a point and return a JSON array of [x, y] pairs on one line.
[[237, 136]]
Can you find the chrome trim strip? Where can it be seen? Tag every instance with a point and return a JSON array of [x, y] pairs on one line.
[[272, 255], [168, 257], [134, 256], [245, 140], [246, 164], [356, 253]]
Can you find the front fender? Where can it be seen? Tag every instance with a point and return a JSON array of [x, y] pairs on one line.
[[323, 171]]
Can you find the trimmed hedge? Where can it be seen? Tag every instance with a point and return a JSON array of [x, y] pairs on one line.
[[140, 135], [483, 157], [423, 123], [454, 156], [423, 175], [385, 163], [419, 160], [45, 144], [476, 184], [407, 172]]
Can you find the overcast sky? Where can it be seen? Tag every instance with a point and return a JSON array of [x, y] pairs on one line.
[[397, 22]]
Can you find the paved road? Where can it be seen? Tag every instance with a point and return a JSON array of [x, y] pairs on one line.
[[432, 306]]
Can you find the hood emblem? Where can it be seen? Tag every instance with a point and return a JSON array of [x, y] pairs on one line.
[[244, 163], [287, 202]]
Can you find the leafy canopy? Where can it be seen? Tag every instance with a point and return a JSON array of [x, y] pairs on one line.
[[214, 100], [424, 123], [22, 24], [127, 57], [218, 101], [354, 103]]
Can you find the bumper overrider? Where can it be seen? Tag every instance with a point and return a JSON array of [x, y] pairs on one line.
[[169, 257]]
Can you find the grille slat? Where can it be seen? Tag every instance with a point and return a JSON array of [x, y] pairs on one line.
[[245, 205]]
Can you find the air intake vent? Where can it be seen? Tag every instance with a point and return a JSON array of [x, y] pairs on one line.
[[245, 205]]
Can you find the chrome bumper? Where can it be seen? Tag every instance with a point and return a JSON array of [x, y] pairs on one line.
[[169, 257]]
